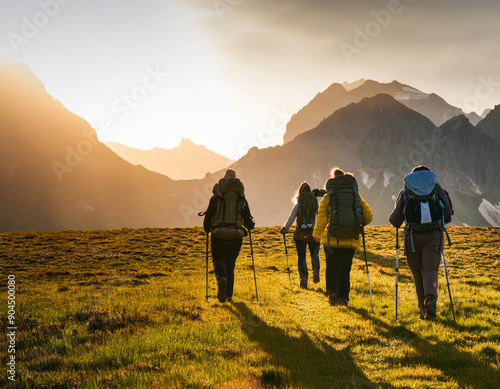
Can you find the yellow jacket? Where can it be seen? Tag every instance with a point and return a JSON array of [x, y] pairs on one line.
[[320, 231]]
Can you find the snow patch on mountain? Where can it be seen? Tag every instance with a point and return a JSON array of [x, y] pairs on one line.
[[367, 180], [410, 93], [475, 187], [387, 176], [490, 212]]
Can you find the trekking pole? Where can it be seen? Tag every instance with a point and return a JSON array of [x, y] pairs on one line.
[[448, 285], [397, 257], [367, 272], [206, 295], [253, 266], [287, 265]]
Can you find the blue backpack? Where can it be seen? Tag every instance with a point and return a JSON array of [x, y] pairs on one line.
[[424, 210]]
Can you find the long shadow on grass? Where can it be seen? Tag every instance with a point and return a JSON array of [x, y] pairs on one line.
[[463, 367], [381, 260], [297, 360]]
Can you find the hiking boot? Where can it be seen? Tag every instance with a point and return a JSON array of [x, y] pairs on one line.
[[337, 301], [315, 276], [222, 285], [303, 283], [430, 306], [229, 300]]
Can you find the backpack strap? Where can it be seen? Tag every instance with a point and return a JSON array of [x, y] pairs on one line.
[[407, 225], [332, 200]]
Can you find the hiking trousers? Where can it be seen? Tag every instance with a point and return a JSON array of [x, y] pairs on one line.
[[301, 254], [224, 254], [424, 263], [338, 270]]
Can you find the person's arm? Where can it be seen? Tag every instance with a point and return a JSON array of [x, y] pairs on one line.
[[367, 212], [248, 221], [322, 219], [319, 192], [209, 214], [291, 219], [397, 216], [448, 208]]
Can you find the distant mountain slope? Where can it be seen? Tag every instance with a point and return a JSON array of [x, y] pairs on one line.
[[336, 96], [179, 163], [473, 117], [56, 175], [490, 125], [380, 140], [353, 85], [473, 157]]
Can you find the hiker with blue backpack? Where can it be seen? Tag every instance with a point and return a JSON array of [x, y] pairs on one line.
[[304, 213], [426, 208], [227, 218], [341, 217]]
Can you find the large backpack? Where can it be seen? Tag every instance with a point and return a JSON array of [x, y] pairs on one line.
[[308, 208], [227, 222], [424, 209], [346, 214]]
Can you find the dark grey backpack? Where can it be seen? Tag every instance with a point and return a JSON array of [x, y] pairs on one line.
[[346, 214]]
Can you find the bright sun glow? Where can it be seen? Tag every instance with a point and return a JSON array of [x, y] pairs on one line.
[[228, 74]]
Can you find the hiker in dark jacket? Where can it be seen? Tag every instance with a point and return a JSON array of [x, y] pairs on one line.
[[227, 236], [423, 250], [303, 234]]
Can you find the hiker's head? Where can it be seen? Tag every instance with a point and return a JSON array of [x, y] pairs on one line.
[[304, 187], [336, 171], [419, 168], [230, 173]]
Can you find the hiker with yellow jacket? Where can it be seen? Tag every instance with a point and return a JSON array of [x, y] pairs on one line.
[[341, 216]]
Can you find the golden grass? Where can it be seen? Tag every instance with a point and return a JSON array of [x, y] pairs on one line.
[[127, 308]]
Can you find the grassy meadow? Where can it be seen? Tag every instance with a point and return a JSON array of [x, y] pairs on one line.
[[127, 309]]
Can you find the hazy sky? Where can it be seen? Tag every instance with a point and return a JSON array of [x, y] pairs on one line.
[[229, 73]]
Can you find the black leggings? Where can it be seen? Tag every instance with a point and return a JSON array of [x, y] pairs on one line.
[[338, 270], [224, 254]]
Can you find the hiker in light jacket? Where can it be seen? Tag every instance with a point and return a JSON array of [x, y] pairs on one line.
[[303, 235], [423, 251], [339, 252], [226, 238]]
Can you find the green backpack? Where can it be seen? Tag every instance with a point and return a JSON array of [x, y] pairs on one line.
[[227, 222], [308, 208], [346, 214]]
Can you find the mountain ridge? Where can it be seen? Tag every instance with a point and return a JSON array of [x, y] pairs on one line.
[[333, 98], [490, 123], [56, 175], [352, 139], [178, 163]]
